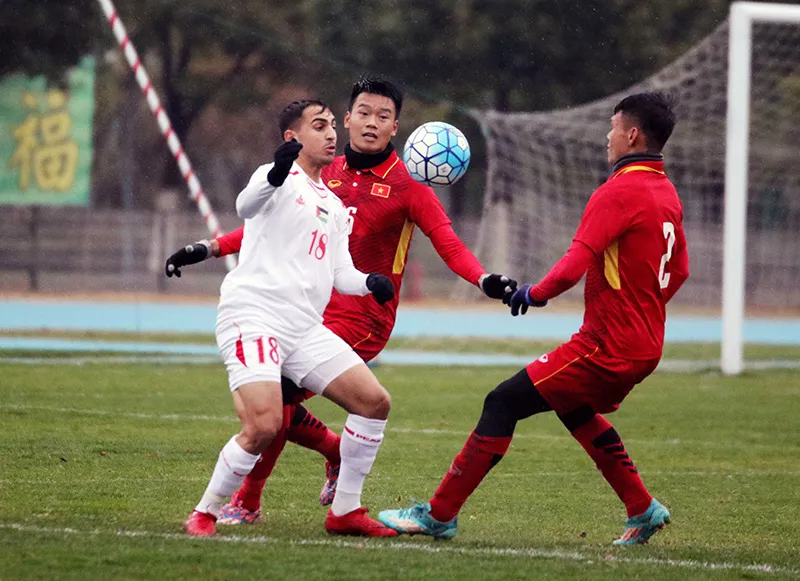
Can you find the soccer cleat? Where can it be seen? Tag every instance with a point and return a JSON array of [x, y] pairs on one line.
[[329, 488], [200, 524], [417, 520], [356, 523], [234, 513], [639, 528]]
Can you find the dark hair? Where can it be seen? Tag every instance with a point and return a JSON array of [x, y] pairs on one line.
[[377, 85], [654, 114], [294, 111]]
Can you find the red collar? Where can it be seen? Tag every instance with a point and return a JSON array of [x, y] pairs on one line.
[[381, 170]]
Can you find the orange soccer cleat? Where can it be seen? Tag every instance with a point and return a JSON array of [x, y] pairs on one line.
[[356, 523], [200, 524]]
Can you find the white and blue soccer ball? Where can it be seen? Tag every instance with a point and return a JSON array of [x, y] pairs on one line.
[[436, 154]]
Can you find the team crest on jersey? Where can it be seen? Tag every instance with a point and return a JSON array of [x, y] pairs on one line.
[[381, 190], [322, 214], [334, 183]]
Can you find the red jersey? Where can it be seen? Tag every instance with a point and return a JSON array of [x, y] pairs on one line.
[[631, 241], [385, 205], [634, 225]]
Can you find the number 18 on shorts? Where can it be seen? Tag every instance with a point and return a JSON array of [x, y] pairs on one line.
[[252, 353]]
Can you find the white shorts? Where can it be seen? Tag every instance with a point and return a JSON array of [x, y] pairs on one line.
[[254, 352]]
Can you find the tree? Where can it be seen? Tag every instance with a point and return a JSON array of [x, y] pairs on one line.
[[46, 36], [451, 55]]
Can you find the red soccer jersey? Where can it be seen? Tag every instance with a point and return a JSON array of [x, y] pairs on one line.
[[634, 225], [385, 205]]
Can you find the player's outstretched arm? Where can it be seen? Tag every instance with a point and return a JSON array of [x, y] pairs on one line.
[[265, 181], [226, 244], [463, 262], [229, 243], [563, 276], [497, 286], [521, 299], [189, 254]]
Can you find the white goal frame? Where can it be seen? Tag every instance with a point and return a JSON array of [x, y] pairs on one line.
[[742, 17]]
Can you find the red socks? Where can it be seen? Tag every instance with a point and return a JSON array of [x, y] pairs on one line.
[[477, 457], [602, 442], [307, 431], [311, 433], [253, 484]]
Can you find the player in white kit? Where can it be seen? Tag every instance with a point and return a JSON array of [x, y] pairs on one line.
[[269, 321]]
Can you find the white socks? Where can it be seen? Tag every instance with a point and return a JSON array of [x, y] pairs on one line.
[[361, 439], [233, 465]]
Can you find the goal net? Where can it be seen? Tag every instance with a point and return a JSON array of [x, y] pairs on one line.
[[542, 167]]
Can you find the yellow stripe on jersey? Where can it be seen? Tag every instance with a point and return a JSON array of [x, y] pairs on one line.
[[637, 168], [390, 168], [611, 256], [402, 248]]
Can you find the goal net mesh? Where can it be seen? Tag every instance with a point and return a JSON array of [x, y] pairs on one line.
[[543, 166]]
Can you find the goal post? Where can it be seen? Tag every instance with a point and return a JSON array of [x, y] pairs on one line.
[[737, 149], [733, 159]]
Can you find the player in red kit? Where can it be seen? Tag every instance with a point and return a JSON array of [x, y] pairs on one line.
[[385, 206], [631, 246]]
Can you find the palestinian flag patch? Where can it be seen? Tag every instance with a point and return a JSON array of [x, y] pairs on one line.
[[322, 214]]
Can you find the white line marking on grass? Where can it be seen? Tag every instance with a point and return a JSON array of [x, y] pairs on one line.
[[395, 430], [416, 547], [50, 481]]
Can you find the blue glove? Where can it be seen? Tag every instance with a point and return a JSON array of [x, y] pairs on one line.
[[520, 300]]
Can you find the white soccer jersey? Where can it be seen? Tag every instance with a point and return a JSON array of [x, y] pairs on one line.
[[294, 251]]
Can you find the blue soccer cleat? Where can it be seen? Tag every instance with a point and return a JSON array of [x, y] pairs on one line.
[[417, 520], [639, 528]]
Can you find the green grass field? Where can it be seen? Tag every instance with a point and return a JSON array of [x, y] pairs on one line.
[[102, 462]]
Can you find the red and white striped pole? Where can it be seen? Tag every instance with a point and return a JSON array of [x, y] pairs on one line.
[[195, 190]]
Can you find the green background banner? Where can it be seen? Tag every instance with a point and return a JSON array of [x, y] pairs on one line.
[[46, 139]]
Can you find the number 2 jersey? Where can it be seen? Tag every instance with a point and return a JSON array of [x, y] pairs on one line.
[[294, 250], [633, 224]]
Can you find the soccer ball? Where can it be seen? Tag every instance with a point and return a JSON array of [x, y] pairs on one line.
[[436, 154]]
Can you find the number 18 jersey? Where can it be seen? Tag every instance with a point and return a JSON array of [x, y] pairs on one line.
[[294, 247]]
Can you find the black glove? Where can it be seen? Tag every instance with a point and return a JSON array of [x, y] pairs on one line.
[[285, 155], [520, 300], [381, 287], [189, 254], [497, 286]]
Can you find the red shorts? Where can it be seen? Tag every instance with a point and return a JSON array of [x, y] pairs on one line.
[[366, 344], [578, 373]]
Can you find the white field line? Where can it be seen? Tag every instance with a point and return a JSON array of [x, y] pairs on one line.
[[438, 548], [282, 476], [391, 429]]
